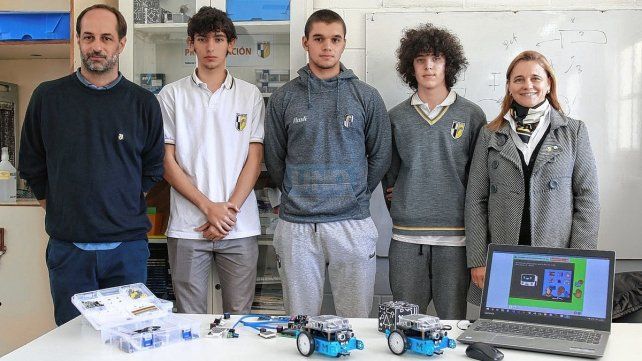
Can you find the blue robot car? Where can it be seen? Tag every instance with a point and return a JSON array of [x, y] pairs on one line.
[[328, 335], [419, 333]]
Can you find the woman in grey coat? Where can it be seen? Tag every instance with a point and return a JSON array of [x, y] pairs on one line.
[[532, 179]]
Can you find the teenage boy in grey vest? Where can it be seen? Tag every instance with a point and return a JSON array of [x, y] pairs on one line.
[[434, 134], [327, 146]]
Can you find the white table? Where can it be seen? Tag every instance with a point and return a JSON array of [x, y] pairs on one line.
[[77, 340]]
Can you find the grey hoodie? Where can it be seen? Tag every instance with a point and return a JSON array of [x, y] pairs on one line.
[[327, 145]]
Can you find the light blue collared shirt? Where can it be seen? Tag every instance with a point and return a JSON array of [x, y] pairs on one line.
[[103, 246], [92, 86]]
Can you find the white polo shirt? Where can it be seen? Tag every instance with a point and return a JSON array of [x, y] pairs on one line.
[[212, 132], [433, 113]]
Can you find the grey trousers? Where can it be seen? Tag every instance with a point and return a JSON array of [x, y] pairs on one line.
[[419, 274], [347, 248], [191, 261]]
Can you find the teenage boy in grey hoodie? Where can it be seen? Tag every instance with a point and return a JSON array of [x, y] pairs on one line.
[[327, 146]]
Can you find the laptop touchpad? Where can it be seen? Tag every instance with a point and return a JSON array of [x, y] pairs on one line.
[[515, 340]]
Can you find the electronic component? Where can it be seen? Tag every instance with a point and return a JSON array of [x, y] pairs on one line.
[[135, 293], [267, 333], [149, 308], [289, 332], [218, 321], [218, 332], [389, 313], [91, 304]]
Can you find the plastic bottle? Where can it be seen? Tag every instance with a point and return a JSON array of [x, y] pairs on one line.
[[8, 185]]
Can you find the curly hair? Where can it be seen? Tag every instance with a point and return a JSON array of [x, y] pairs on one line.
[[209, 19], [428, 39]]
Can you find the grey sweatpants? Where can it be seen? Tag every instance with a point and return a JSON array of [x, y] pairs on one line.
[[421, 273], [191, 261], [347, 248]]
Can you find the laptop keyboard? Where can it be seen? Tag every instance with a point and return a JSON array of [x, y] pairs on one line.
[[520, 329]]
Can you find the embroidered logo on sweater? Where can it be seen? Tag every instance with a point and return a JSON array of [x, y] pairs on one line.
[[348, 120], [241, 121], [457, 129], [299, 119]]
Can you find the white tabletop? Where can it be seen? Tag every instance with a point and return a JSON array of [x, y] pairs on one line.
[[77, 340]]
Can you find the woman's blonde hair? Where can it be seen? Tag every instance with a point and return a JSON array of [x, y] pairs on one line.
[[528, 55]]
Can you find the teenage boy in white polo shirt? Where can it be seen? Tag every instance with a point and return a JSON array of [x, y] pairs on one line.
[[213, 150]]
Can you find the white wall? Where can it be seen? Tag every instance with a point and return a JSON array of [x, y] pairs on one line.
[[28, 74], [354, 13]]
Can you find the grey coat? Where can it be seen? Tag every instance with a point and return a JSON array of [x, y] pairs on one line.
[[565, 209]]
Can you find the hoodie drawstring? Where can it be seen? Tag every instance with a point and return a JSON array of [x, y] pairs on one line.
[[309, 96], [337, 110]]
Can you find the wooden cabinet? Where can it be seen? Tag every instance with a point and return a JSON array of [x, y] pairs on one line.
[[26, 309]]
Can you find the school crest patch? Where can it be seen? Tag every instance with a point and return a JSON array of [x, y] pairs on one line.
[[263, 49], [347, 122], [241, 121], [457, 130]]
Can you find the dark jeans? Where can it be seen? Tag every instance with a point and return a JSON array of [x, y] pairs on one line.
[[73, 270]]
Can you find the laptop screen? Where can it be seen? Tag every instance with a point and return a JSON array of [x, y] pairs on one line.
[[565, 287]]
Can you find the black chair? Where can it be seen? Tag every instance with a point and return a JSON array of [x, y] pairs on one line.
[[627, 297]]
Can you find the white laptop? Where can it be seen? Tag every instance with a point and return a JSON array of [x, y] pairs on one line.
[[555, 300]]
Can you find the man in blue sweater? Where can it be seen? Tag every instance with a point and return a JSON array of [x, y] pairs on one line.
[[327, 146], [91, 146]]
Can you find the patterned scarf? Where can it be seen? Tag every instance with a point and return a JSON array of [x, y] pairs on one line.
[[527, 119]]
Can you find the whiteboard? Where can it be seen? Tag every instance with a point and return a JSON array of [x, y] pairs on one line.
[[597, 57]]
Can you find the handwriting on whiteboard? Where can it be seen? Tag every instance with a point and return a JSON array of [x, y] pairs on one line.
[[496, 81], [573, 66], [509, 42], [567, 36]]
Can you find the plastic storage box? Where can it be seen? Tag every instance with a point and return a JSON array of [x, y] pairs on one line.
[[261, 10], [133, 319], [152, 333], [20, 26]]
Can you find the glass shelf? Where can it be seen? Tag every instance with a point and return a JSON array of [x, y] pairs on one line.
[[242, 27]]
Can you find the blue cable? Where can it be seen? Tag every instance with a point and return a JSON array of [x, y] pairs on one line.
[[264, 321]]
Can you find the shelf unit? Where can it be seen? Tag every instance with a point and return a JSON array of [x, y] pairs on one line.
[[242, 27], [141, 56], [158, 48], [48, 49]]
